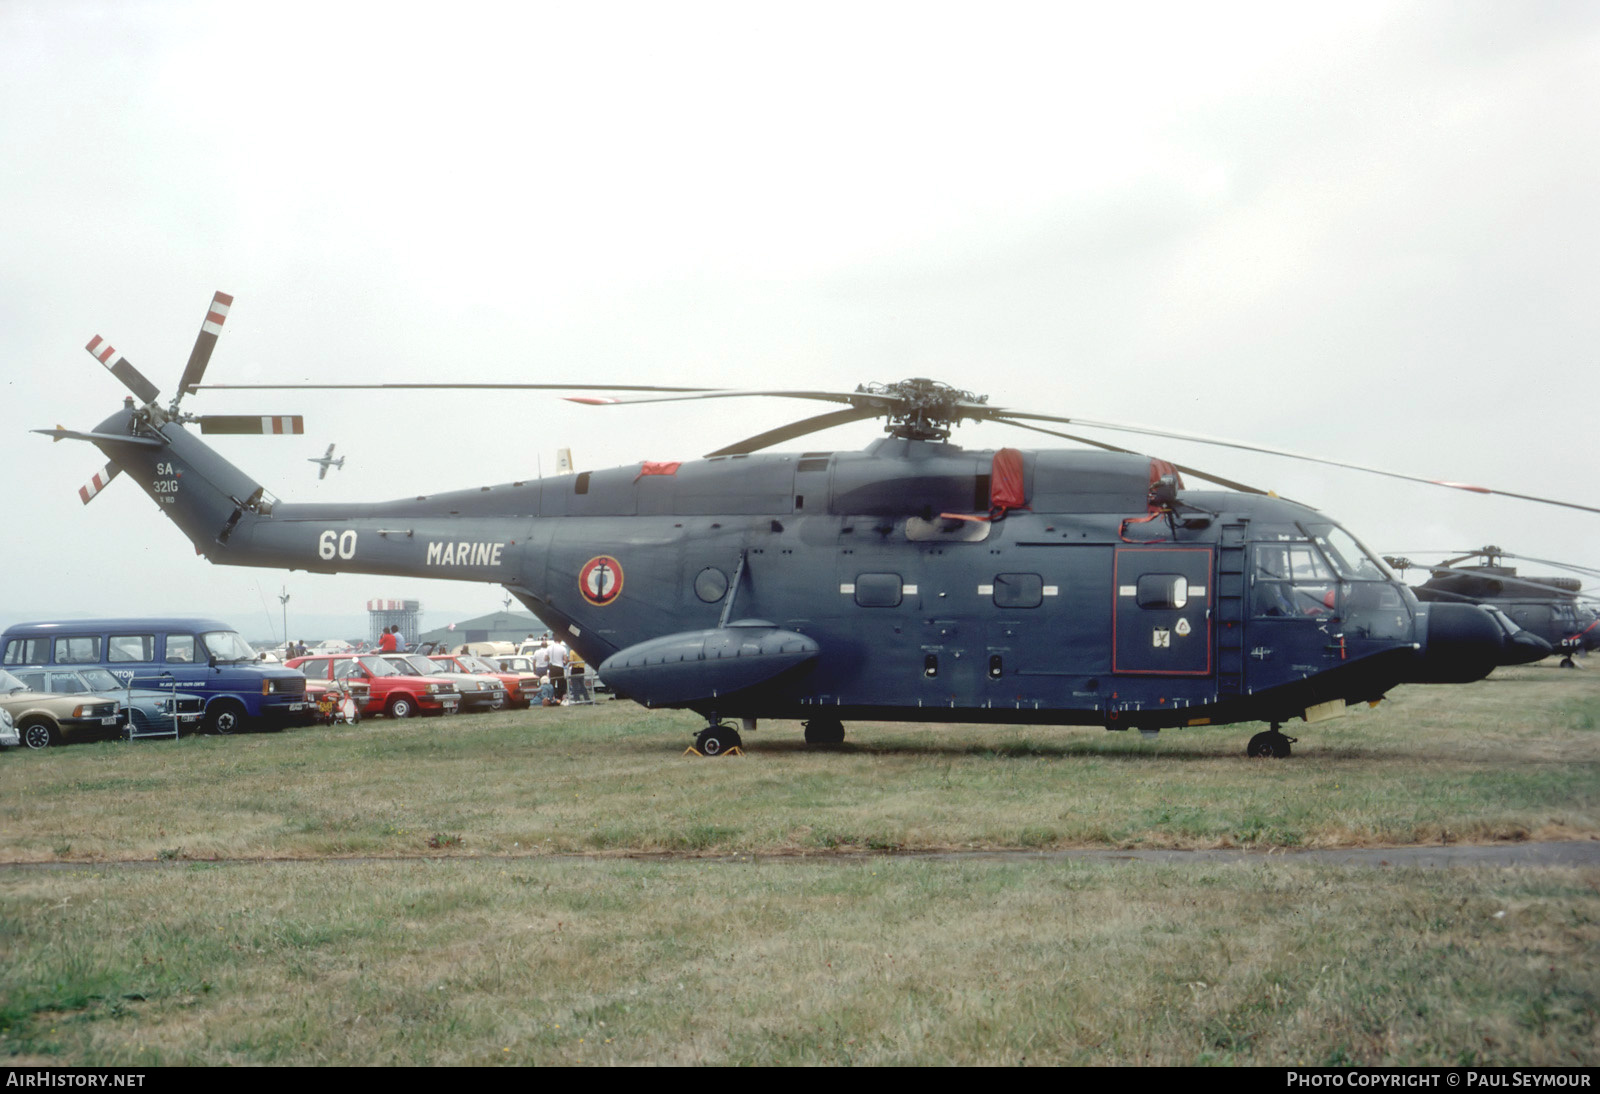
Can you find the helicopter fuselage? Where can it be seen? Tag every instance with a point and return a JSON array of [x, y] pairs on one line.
[[873, 584]]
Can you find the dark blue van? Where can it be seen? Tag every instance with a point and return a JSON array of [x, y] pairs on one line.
[[205, 657]]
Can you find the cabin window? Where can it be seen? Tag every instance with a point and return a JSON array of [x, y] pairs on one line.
[[78, 650], [27, 651], [1162, 591], [710, 584], [130, 647], [878, 590], [180, 648], [1018, 590], [1292, 580]]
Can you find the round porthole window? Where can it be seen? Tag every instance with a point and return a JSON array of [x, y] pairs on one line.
[[711, 584]]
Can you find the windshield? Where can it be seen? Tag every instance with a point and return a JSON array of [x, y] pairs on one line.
[[402, 666], [1352, 560], [100, 680], [378, 666], [11, 683], [227, 646], [478, 666]]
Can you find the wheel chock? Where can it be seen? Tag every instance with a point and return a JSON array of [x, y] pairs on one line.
[[693, 751]]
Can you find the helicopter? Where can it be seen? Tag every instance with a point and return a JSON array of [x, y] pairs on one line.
[[1553, 608], [326, 461], [911, 581]]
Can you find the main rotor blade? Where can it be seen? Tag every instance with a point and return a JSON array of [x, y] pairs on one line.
[[99, 438], [795, 429], [1206, 475], [851, 397], [252, 423], [1008, 415], [204, 343], [1551, 562], [440, 387], [130, 377]]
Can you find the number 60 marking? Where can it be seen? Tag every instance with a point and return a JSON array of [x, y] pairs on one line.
[[341, 543]]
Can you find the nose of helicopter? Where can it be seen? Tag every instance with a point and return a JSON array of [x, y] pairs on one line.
[[1524, 648], [1464, 643]]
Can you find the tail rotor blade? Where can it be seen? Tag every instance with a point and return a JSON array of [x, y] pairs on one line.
[[204, 343], [130, 377], [253, 424], [102, 479]]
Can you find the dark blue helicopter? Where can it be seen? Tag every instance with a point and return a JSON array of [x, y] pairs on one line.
[[914, 580]]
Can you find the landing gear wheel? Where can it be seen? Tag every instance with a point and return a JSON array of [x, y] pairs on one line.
[[1568, 663], [824, 731], [715, 740], [1269, 745]]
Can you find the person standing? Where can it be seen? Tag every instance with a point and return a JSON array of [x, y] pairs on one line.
[[386, 643], [558, 668]]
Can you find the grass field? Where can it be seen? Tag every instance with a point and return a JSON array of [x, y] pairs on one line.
[[463, 930]]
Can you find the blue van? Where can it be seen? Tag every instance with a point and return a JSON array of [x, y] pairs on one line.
[[205, 657]]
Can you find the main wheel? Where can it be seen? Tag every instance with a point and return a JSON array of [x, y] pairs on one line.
[[1268, 745], [38, 734], [824, 731], [225, 717], [715, 740], [1568, 663], [401, 706]]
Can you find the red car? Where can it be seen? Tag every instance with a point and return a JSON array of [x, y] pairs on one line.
[[391, 693], [465, 662]]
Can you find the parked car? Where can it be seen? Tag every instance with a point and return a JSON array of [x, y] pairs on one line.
[[146, 712], [44, 719], [203, 656], [391, 692], [9, 737], [472, 666], [477, 692]]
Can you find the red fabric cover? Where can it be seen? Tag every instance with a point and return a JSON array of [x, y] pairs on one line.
[[1005, 483], [649, 467], [1162, 467]]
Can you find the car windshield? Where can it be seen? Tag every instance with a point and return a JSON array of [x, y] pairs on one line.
[[227, 646], [403, 666], [378, 666], [478, 666], [11, 683], [100, 680]]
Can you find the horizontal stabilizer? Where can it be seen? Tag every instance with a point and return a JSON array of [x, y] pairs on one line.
[[99, 438], [252, 423]]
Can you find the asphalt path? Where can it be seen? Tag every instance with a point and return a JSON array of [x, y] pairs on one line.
[[1568, 853]]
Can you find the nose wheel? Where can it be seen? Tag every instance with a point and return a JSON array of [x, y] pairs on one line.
[[1270, 745], [714, 740]]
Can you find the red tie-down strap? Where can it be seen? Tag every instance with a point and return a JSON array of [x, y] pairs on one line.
[[1158, 468], [1006, 488], [649, 467]]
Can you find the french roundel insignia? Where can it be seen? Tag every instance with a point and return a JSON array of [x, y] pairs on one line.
[[600, 580]]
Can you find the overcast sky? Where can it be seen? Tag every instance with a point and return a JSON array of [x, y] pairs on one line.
[[1365, 231]]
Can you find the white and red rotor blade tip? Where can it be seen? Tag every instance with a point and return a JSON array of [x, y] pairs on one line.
[[205, 342], [131, 378], [101, 480]]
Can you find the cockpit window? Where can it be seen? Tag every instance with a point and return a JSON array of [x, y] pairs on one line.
[[1352, 560]]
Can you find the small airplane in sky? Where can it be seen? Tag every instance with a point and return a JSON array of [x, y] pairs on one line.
[[326, 461]]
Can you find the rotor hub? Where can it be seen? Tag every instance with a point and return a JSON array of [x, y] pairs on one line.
[[923, 410]]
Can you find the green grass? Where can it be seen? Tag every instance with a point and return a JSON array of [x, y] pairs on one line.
[[463, 931], [1505, 759], [890, 961]]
